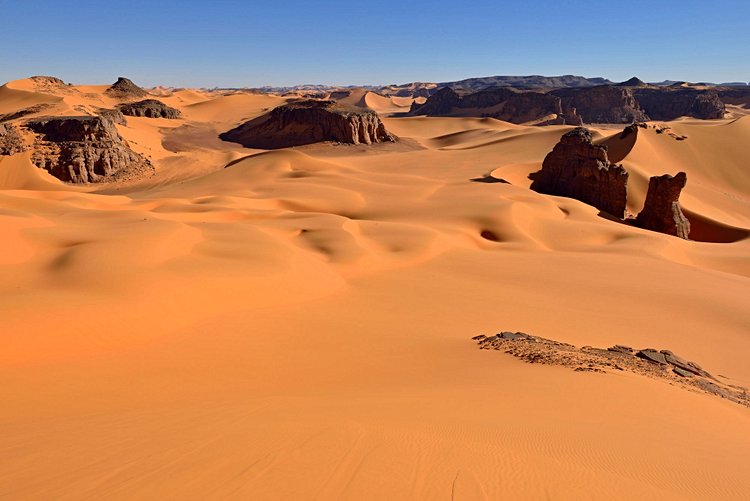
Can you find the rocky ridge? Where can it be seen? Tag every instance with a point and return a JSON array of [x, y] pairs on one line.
[[150, 108], [648, 362], [310, 121]]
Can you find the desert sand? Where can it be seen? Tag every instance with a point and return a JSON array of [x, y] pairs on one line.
[[298, 324]]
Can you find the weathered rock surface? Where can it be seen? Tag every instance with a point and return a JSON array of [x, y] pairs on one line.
[[10, 140], [648, 362], [503, 103], [671, 103], [579, 169], [603, 104], [114, 116], [310, 121], [84, 149], [150, 108], [661, 211], [124, 88]]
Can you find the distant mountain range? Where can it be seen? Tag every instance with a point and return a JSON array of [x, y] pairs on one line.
[[480, 83]]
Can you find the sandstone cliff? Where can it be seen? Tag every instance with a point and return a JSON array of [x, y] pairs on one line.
[[310, 121], [661, 211], [84, 149], [603, 104], [579, 169], [671, 103]]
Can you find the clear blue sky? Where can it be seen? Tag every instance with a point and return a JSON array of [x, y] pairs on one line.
[[234, 43]]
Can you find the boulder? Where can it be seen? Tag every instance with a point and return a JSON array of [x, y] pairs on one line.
[[310, 121], [150, 108], [10, 140], [124, 88], [579, 169], [83, 149], [661, 211]]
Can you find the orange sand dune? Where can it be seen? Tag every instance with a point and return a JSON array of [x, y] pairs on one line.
[[297, 324]]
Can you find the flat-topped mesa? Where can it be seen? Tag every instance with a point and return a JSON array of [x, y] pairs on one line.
[[579, 169], [661, 211], [83, 149], [10, 140], [150, 108], [310, 121], [124, 88]]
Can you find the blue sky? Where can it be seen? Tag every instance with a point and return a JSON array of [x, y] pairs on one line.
[[234, 43]]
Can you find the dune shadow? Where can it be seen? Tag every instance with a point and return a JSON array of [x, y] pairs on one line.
[[488, 178]]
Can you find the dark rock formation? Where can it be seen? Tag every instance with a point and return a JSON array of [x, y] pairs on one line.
[[124, 88], [503, 103], [661, 211], [150, 108], [84, 149], [114, 116], [579, 169], [652, 355], [633, 82], [10, 140], [669, 103], [735, 95], [310, 121], [603, 104]]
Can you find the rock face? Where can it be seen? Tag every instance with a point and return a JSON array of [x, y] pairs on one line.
[[84, 149], [150, 108], [503, 103], [603, 104], [124, 88], [661, 211], [310, 121], [10, 140], [672, 103], [579, 169]]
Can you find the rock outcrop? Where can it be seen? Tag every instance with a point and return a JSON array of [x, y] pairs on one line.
[[150, 108], [124, 88], [671, 103], [83, 149], [503, 103], [310, 121], [661, 211], [603, 104], [10, 140], [579, 169]]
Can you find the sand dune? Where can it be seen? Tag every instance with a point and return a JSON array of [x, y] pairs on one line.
[[296, 324]]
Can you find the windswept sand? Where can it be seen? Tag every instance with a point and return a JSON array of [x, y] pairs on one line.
[[298, 325]]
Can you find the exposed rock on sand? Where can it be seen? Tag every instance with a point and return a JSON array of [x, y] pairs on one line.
[[10, 140], [150, 108], [310, 121], [647, 362], [661, 211], [579, 169], [84, 149], [124, 88]]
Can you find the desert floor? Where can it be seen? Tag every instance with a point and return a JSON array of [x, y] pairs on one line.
[[298, 325]]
